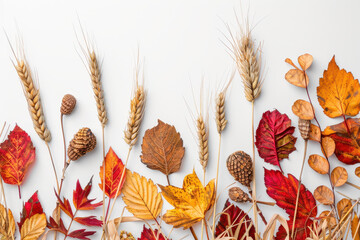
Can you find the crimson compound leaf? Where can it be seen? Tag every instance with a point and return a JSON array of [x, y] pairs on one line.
[[80, 197], [148, 234], [30, 208]]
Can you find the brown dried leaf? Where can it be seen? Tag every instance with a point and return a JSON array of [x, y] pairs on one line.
[[339, 176], [315, 133], [297, 78], [329, 217], [319, 164], [328, 146], [162, 148], [7, 224], [343, 206], [305, 61], [303, 109], [357, 172], [324, 195], [355, 228]]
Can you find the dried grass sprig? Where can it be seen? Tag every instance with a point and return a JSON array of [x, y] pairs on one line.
[[202, 133]]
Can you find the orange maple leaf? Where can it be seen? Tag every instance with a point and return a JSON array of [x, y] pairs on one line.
[[113, 171], [338, 92]]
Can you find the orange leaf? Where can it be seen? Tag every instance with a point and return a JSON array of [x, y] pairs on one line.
[[319, 164], [305, 61], [338, 92], [357, 171], [303, 109], [297, 76], [113, 171], [328, 146], [16, 156], [339, 176], [355, 228], [315, 133], [344, 206], [324, 195]]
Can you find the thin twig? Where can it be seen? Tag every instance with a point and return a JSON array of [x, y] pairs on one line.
[[216, 184]]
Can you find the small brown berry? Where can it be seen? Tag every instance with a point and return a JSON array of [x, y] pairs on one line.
[[304, 128], [83, 142], [240, 167], [238, 195], [68, 104]]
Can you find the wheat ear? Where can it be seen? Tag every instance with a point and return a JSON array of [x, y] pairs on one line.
[[220, 112], [202, 133]]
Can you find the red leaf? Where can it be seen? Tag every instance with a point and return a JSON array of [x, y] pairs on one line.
[[301, 229], [232, 216], [65, 206], [274, 139], [284, 191], [90, 221], [347, 145], [147, 234], [30, 208], [80, 197], [114, 168], [81, 234], [16, 156], [56, 227]]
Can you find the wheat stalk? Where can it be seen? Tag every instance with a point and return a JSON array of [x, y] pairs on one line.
[[202, 133], [220, 112]]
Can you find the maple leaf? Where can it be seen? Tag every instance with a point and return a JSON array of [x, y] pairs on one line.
[[113, 171], [7, 224], [347, 140], [30, 208], [338, 92], [80, 197], [162, 148], [17, 154], [234, 223], [284, 191], [274, 139], [148, 234], [191, 202]]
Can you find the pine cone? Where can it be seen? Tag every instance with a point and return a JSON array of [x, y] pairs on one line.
[[238, 195], [68, 104], [304, 128], [83, 142], [240, 167]]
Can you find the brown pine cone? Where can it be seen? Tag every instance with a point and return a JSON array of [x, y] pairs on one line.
[[238, 195], [240, 167], [68, 104], [83, 142], [304, 128]]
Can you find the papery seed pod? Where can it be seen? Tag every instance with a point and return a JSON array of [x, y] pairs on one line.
[[238, 195], [68, 104], [304, 128], [240, 167], [83, 142]]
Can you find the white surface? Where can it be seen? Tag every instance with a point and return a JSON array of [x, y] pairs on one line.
[[181, 42]]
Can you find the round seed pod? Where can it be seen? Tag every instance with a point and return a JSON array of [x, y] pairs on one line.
[[83, 142], [240, 167], [238, 195], [304, 128], [68, 104]]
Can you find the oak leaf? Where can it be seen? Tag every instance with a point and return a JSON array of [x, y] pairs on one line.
[[339, 176], [7, 224], [303, 109], [297, 76], [149, 234], [17, 154], [30, 208], [324, 195], [319, 164], [162, 148], [141, 196], [234, 223], [274, 139], [338, 92], [114, 168], [191, 202], [33, 227]]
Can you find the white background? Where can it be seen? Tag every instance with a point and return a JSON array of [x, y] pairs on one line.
[[181, 42]]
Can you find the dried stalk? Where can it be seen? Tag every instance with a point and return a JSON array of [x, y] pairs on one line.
[[202, 133]]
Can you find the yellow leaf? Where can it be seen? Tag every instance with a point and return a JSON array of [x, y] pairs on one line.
[[7, 224], [33, 227], [338, 92], [141, 196], [355, 228], [191, 202]]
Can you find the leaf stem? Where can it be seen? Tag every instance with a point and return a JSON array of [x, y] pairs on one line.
[[206, 229], [72, 220], [255, 207], [216, 185], [167, 178], [53, 166], [346, 125], [193, 233]]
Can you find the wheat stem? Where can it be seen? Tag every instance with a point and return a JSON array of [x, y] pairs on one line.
[[216, 185], [254, 171]]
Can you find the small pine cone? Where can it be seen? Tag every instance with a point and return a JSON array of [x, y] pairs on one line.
[[68, 104], [240, 167], [304, 128], [83, 142], [238, 195]]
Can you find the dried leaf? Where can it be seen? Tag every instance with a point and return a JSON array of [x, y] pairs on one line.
[[112, 232], [347, 142], [30, 208], [357, 172], [7, 224], [17, 154], [148, 234], [338, 92], [343, 206], [234, 223], [303, 109], [274, 139], [33, 227], [90, 221], [297, 76], [329, 217], [80, 197], [81, 234], [355, 228], [328, 146], [162, 148], [305, 61], [191, 202], [339, 176], [319, 164], [114, 169], [324, 195], [57, 226], [141, 196], [315, 133]]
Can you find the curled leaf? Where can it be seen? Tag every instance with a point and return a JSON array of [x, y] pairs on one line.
[[324, 195], [339, 176], [319, 164], [328, 146], [33, 227], [303, 109]]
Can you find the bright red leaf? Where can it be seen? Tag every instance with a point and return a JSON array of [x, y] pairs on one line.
[[233, 216], [301, 229], [80, 197], [274, 139], [54, 226], [90, 221], [65, 205], [81, 234], [347, 140], [30, 208], [17, 154], [147, 234], [113, 171]]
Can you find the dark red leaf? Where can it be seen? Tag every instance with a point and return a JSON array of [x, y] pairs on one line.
[[65, 206], [301, 229], [274, 139], [147, 234], [232, 216], [30, 208], [80, 197], [81, 234], [90, 221], [52, 225]]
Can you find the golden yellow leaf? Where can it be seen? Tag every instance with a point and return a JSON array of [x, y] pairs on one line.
[[328, 146], [324, 195], [7, 224], [339, 176], [141, 196], [319, 164], [33, 227], [338, 92], [191, 202], [355, 228], [303, 109]]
